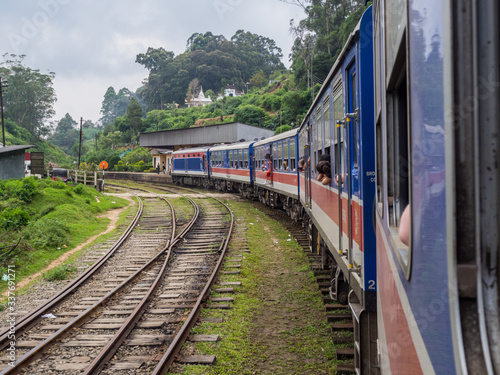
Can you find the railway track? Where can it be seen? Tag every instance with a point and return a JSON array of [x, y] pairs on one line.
[[131, 302]]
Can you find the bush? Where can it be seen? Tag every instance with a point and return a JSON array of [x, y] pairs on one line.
[[48, 233], [61, 272], [250, 115], [13, 218]]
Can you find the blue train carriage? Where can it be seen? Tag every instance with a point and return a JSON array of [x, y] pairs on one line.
[[437, 220], [231, 167], [276, 173], [190, 167], [338, 188]]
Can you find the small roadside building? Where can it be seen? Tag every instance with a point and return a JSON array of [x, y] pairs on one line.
[[12, 161]]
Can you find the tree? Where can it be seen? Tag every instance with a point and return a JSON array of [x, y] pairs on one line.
[[258, 79], [193, 89], [250, 114], [108, 107], [29, 98], [114, 105], [134, 118], [258, 52], [66, 134]]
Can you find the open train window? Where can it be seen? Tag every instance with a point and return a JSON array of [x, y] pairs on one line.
[[275, 156], [318, 144], [231, 158], [292, 156], [398, 160], [280, 155], [286, 161], [245, 158], [327, 134]]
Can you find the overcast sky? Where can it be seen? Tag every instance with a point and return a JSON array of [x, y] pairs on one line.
[[92, 44]]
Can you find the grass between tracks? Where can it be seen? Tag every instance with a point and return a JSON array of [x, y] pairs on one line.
[[276, 324]]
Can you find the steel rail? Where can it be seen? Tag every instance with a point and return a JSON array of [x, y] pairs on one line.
[[34, 316], [117, 340], [36, 352], [181, 337]]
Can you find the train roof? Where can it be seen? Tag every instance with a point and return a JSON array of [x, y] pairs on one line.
[[232, 146], [188, 150], [287, 134]]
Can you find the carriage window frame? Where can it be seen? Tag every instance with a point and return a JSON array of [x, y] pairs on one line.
[[245, 158], [398, 152], [274, 155], [280, 155], [231, 158], [355, 126], [338, 115], [291, 147], [286, 154], [327, 135]]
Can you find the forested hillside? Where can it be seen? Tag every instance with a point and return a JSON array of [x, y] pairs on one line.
[[251, 63]]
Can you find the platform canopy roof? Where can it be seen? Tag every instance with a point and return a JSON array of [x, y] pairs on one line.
[[204, 136]]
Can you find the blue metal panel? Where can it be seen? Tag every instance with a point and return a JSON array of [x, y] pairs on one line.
[[251, 162], [179, 165], [367, 147], [194, 164]]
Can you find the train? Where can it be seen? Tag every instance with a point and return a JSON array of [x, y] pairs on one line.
[[394, 173]]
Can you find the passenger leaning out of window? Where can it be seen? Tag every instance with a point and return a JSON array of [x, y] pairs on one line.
[[324, 169]]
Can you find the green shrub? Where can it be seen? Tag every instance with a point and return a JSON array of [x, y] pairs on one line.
[[61, 272], [79, 189], [13, 218], [48, 233]]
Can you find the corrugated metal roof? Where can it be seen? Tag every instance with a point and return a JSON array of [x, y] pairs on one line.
[[7, 149]]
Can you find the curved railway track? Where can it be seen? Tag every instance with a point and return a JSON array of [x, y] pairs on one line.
[[143, 296]]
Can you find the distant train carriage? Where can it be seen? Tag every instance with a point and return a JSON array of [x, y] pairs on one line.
[[190, 166], [278, 156], [231, 167], [337, 184]]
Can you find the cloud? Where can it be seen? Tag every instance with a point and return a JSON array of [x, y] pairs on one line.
[[92, 44]]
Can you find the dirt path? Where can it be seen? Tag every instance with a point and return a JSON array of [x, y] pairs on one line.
[[112, 215]]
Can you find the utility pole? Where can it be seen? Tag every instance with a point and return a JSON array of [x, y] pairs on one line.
[[80, 145], [1, 109]]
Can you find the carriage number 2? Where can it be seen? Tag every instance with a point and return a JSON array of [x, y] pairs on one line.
[[371, 284]]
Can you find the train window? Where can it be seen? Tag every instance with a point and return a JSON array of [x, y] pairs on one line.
[[245, 158], [398, 151], [354, 123], [275, 156], [280, 155], [286, 161], [292, 155], [240, 158], [231, 158], [318, 146], [327, 135]]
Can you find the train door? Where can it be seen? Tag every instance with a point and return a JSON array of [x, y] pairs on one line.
[[307, 169], [352, 166], [338, 105]]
